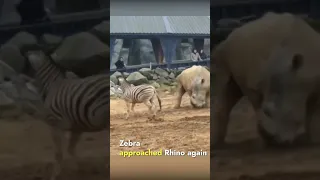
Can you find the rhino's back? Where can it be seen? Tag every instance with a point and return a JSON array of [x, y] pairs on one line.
[[246, 51], [188, 75]]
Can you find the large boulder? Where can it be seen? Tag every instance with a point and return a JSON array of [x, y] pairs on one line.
[[23, 39], [147, 72], [102, 31], [7, 73], [114, 79], [11, 55], [137, 78], [83, 53], [161, 72], [51, 41]]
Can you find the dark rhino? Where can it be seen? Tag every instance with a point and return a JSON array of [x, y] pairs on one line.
[[275, 62]]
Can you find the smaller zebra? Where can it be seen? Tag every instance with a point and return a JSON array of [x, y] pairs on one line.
[[139, 94]]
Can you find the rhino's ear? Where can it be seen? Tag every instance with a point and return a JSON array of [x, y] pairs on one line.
[[297, 62], [202, 81]]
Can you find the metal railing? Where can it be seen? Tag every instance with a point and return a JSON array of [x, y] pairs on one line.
[[62, 25], [174, 65]]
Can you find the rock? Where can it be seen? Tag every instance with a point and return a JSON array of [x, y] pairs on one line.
[[23, 39], [125, 74], [171, 75], [116, 90], [102, 31], [114, 79], [8, 107], [51, 41], [112, 84], [174, 84], [6, 72], [163, 80], [83, 54], [10, 54], [117, 74], [137, 78], [111, 92], [154, 77], [155, 84], [147, 72], [161, 72], [71, 75], [5, 101]]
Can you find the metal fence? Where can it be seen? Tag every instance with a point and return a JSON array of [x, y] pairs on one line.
[[62, 25], [174, 65]]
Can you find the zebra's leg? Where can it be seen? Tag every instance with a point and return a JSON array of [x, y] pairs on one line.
[[132, 106], [73, 141], [57, 136], [154, 107], [150, 106], [128, 110]]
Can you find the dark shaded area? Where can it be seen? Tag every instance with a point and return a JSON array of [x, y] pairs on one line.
[[37, 14], [282, 176], [70, 6]]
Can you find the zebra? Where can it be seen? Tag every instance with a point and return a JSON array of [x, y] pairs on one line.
[[74, 105], [139, 94]]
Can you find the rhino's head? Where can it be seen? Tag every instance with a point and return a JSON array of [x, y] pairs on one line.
[[286, 92], [198, 96]]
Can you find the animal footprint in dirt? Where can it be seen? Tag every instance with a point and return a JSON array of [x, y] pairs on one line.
[[154, 119]]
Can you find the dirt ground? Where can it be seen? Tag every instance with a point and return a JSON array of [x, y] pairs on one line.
[[184, 129], [245, 159], [26, 151]]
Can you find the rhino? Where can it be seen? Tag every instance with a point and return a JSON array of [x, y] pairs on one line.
[[274, 61], [195, 81]]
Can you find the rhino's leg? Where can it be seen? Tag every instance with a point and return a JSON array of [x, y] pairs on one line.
[[180, 93], [313, 122], [227, 94], [207, 100]]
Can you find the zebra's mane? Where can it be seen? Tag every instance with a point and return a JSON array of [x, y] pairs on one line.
[[24, 50]]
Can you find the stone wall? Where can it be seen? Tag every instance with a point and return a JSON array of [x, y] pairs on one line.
[[157, 77], [84, 53]]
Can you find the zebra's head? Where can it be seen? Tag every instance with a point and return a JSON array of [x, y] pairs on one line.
[[198, 96], [124, 84], [36, 58]]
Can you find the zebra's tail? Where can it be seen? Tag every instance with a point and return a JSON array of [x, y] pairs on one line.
[[159, 100]]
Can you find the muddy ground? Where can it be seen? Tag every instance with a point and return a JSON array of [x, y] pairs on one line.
[[26, 151], [245, 159], [184, 129]]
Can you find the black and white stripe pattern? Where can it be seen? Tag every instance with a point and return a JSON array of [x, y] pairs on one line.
[[139, 94], [72, 104]]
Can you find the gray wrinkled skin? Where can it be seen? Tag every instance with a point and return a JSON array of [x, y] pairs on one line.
[[198, 96], [286, 91]]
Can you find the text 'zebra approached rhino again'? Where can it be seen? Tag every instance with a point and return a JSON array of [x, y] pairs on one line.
[[160, 86], [182, 124]]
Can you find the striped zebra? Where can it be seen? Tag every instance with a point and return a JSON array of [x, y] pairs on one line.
[[71, 105], [139, 94]]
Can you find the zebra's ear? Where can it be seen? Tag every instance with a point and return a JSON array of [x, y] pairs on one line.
[[26, 48]]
